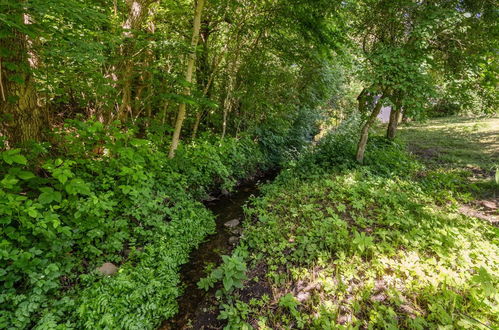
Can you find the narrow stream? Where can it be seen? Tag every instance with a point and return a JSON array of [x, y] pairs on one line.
[[197, 308]]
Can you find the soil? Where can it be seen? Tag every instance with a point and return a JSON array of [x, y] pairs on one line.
[[487, 210]]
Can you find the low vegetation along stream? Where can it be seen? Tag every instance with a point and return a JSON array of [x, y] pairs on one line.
[[197, 307]]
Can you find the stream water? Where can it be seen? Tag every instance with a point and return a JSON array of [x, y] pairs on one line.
[[197, 308]]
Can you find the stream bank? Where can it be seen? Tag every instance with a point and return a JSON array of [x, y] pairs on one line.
[[198, 309]]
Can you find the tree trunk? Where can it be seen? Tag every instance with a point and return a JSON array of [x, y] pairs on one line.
[[138, 10], [125, 107], [188, 77], [393, 123], [395, 113], [364, 134], [195, 128], [20, 106], [228, 101], [206, 73]]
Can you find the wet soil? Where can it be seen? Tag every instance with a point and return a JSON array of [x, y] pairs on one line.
[[198, 309]]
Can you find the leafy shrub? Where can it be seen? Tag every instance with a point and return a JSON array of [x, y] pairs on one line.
[[103, 195], [444, 108], [337, 149], [283, 139]]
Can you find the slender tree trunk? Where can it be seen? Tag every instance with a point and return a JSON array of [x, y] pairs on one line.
[[364, 134], [125, 107], [206, 76], [228, 102], [188, 77], [138, 10], [199, 114], [195, 128], [227, 108], [20, 105], [394, 120]]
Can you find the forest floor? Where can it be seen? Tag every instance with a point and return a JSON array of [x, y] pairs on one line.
[[406, 241]]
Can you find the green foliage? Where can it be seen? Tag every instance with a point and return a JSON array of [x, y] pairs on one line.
[[232, 274], [111, 197], [266, 73], [380, 245], [235, 316]]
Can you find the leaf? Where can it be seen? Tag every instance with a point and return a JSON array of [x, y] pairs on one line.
[[217, 273], [14, 156], [138, 142], [20, 159], [48, 195], [205, 284], [25, 175], [228, 283], [33, 213], [9, 181], [77, 186]]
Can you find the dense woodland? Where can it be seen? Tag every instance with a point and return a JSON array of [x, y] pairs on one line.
[[118, 118]]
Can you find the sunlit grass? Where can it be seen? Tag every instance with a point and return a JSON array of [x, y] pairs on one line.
[[455, 141]]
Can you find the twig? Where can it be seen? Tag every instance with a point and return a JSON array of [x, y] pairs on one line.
[[471, 317], [1, 81]]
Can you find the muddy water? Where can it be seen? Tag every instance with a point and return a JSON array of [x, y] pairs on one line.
[[197, 308]]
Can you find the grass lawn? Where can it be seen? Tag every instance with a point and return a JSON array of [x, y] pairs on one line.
[[384, 245], [455, 142]]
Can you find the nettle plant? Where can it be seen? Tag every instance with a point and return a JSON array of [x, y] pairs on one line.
[[231, 273]]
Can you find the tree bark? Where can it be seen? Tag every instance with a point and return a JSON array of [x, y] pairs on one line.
[[206, 72], [20, 105], [199, 114], [138, 10], [364, 134], [228, 101], [188, 77], [394, 121]]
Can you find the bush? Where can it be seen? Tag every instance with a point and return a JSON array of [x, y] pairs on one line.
[[102, 196], [336, 151]]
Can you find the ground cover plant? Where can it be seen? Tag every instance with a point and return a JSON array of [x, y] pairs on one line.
[[127, 204], [367, 246]]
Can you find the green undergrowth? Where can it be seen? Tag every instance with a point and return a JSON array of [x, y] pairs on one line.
[[103, 195], [332, 244]]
